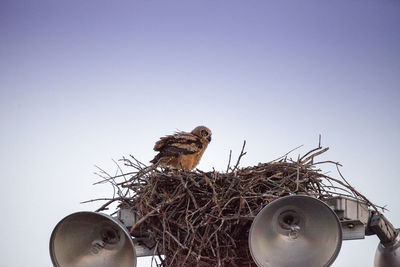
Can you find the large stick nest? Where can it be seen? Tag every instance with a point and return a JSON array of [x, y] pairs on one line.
[[201, 218]]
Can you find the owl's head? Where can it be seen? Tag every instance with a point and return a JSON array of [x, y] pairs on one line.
[[203, 132]]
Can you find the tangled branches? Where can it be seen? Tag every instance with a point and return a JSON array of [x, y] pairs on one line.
[[203, 218]]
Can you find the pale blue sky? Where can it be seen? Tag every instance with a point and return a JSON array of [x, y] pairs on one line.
[[84, 82]]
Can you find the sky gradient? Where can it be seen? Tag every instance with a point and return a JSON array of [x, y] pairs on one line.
[[85, 82]]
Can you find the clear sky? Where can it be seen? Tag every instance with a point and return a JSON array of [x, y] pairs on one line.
[[85, 82]]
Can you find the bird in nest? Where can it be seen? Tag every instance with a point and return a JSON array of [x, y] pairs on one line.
[[182, 150]]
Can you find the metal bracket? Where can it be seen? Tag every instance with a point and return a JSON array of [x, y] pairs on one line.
[[143, 241], [380, 226], [353, 215]]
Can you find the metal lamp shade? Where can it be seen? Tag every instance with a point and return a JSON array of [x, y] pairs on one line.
[[388, 256], [89, 239], [295, 231]]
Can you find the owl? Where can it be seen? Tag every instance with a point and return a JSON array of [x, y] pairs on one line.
[[182, 150]]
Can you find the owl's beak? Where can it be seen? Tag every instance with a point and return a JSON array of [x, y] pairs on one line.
[[209, 138]]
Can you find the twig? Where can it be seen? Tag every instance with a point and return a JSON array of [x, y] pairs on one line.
[[229, 161], [242, 153]]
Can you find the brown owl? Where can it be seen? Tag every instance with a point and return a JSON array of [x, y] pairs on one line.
[[182, 150]]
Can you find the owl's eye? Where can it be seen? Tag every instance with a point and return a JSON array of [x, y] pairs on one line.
[[204, 133]]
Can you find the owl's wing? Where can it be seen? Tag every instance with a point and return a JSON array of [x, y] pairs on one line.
[[178, 144]]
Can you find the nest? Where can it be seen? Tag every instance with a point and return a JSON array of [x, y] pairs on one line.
[[201, 218]]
